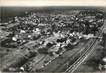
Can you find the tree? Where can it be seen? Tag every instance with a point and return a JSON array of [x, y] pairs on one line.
[[43, 51]]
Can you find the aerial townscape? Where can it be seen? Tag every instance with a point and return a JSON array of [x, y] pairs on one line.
[[53, 41]]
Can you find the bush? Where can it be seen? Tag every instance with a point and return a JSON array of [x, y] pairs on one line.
[[43, 51]]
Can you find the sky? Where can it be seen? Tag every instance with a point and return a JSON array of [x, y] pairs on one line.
[[53, 3]]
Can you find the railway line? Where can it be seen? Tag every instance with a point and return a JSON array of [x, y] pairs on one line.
[[86, 53], [81, 59], [76, 59]]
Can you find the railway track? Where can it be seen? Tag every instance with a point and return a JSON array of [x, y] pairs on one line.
[[77, 58], [80, 59], [86, 53], [73, 57]]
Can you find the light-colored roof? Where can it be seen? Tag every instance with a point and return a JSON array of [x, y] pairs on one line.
[[104, 59]]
